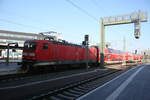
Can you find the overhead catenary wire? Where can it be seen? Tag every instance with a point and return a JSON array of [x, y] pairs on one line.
[[82, 10], [94, 2], [100, 8], [24, 18], [20, 24]]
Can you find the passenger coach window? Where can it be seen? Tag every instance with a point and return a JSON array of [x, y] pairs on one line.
[[45, 46]]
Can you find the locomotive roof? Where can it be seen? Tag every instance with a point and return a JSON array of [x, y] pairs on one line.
[[63, 42]]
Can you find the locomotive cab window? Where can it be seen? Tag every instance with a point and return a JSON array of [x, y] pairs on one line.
[[30, 45], [45, 46]]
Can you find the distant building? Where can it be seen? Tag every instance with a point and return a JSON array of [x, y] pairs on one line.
[[19, 37]]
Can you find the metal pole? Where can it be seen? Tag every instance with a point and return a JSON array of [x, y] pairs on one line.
[[86, 40], [124, 49], [102, 44], [7, 59], [87, 53]]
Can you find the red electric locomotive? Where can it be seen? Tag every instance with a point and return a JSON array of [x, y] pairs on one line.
[[52, 52]]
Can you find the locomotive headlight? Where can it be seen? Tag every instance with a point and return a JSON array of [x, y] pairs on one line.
[[32, 54]]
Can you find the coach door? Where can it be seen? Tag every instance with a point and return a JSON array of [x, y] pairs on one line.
[[109, 57]]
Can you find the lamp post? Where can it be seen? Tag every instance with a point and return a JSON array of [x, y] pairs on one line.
[[8, 47], [124, 49]]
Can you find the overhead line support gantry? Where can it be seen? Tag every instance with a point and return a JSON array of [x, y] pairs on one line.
[[136, 18]]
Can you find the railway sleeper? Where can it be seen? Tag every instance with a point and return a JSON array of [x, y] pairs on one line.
[[70, 94], [79, 90], [54, 98], [88, 86], [73, 92], [83, 88], [64, 97]]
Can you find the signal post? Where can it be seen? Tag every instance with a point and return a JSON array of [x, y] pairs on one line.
[[135, 18]]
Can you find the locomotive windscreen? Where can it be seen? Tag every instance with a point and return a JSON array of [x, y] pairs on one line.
[[30, 45]]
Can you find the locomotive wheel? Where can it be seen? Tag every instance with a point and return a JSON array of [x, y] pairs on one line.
[[26, 68]]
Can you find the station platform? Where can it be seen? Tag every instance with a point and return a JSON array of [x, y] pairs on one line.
[[8, 69], [11, 61], [131, 85]]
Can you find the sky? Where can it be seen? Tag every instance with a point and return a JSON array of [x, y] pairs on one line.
[[73, 23]]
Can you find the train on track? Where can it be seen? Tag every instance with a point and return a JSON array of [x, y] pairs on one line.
[[52, 53]]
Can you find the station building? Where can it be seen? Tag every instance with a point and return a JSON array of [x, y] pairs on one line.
[[15, 37]]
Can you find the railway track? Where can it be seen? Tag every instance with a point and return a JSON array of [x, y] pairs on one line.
[[11, 77], [20, 76], [70, 86], [75, 90]]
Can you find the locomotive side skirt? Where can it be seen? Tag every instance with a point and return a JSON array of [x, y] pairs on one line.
[[42, 63], [55, 62]]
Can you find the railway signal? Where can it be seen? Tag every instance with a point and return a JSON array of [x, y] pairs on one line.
[[86, 42], [135, 51], [137, 32], [135, 18]]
